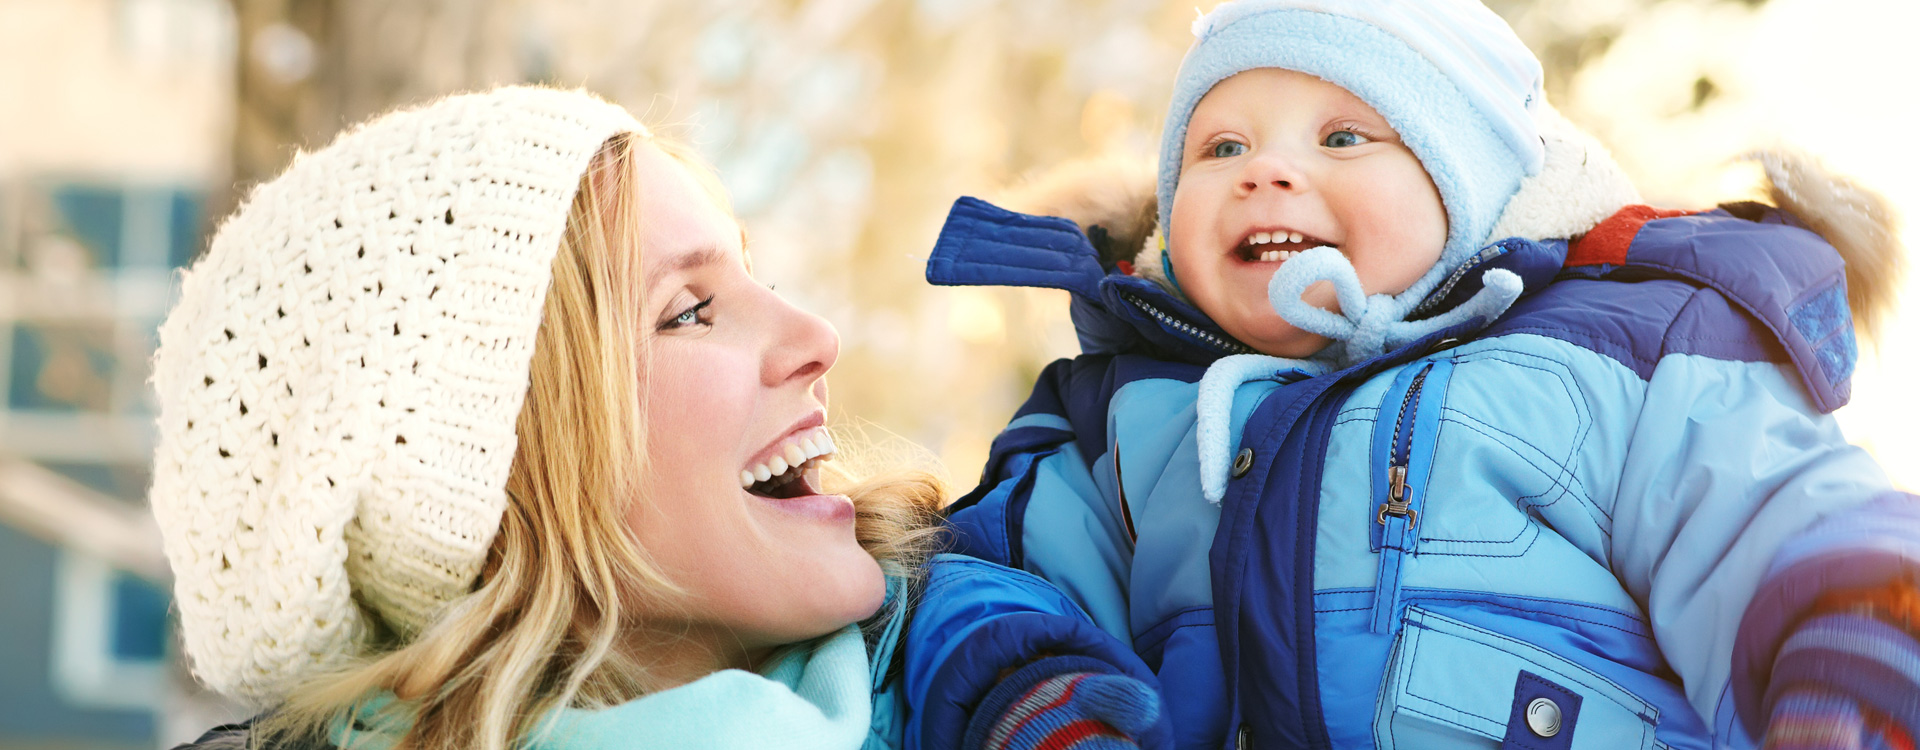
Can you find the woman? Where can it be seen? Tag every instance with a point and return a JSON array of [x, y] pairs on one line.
[[477, 432]]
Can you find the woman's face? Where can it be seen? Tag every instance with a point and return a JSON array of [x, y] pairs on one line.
[[734, 389]]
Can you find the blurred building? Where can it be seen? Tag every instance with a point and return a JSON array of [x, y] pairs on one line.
[[113, 126], [843, 128]]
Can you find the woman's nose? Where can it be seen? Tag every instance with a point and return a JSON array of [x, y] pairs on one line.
[[804, 345], [1270, 171]]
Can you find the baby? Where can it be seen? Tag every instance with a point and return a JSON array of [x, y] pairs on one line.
[[1409, 429]]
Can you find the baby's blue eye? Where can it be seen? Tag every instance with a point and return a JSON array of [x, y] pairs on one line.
[[1344, 139], [1228, 149]]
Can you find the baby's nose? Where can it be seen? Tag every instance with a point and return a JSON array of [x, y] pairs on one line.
[[1270, 171]]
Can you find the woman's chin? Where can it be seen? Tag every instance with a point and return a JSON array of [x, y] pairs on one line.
[[867, 588], [842, 595]]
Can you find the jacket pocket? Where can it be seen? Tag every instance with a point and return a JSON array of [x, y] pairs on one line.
[[1454, 685]]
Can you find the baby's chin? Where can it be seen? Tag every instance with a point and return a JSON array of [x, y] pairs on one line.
[[1271, 335]]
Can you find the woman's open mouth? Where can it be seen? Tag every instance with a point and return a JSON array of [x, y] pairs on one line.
[[788, 473], [1275, 246]]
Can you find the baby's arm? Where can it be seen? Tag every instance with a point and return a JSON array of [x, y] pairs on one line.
[[1830, 645], [1740, 504], [1042, 507], [997, 659]]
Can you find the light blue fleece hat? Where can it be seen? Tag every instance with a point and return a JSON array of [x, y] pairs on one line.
[[1448, 75]]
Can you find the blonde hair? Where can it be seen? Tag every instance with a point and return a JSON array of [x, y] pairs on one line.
[[564, 575]]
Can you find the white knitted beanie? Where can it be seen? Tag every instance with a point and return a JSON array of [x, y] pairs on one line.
[[340, 381]]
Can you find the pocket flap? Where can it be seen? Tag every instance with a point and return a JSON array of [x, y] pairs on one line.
[[1451, 684]]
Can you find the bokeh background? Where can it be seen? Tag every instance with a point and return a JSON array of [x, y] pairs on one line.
[[843, 128]]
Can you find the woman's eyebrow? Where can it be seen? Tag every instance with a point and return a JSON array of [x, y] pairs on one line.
[[703, 256]]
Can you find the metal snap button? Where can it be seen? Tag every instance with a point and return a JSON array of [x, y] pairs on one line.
[[1242, 462], [1240, 739], [1543, 717]]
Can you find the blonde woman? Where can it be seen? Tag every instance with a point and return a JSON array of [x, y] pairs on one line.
[[477, 432]]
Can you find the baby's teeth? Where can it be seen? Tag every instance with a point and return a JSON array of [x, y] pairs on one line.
[[1262, 238]]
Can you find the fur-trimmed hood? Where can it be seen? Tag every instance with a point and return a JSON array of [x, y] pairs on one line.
[[1112, 200]]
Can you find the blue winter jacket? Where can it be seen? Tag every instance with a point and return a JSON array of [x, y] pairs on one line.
[[1618, 497]]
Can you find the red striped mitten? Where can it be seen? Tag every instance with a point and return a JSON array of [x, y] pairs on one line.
[[1064, 703]]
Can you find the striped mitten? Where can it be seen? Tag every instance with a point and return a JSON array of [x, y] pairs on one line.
[[1845, 681], [1064, 703]]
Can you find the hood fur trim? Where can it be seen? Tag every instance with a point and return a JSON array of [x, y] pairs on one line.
[[1110, 197], [1113, 193], [1858, 222]]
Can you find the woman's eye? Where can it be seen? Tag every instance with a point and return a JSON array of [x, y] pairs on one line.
[[692, 316], [1344, 139], [1227, 149]]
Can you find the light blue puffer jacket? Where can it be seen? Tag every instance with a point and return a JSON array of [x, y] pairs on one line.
[[1544, 533]]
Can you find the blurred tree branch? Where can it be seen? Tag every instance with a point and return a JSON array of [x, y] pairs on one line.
[[307, 68], [65, 513]]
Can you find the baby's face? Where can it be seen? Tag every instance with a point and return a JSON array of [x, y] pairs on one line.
[[1277, 162]]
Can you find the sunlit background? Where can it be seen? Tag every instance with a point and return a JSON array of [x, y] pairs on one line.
[[844, 129]]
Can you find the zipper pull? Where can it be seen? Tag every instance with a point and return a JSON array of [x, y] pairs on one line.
[[1396, 504]]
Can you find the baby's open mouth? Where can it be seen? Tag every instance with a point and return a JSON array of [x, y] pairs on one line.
[[1275, 246], [788, 473]]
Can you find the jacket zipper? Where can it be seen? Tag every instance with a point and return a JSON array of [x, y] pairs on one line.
[[1397, 503], [1180, 326], [1446, 287], [1399, 512]]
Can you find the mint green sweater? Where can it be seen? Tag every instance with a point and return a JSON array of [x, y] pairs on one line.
[[816, 696]]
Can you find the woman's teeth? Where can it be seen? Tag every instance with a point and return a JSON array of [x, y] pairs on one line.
[[801, 452]]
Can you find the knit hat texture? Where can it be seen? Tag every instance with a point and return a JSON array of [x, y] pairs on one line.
[[340, 381]]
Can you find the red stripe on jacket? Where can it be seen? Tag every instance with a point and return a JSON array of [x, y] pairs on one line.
[[1608, 241]]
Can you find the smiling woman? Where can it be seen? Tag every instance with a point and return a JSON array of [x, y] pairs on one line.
[[478, 432], [733, 382]]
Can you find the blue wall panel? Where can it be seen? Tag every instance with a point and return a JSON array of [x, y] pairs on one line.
[[30, 712]]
